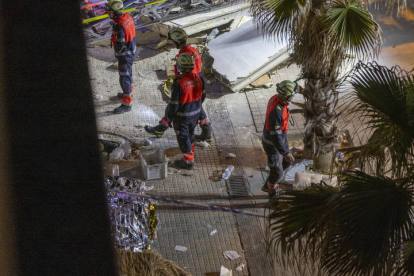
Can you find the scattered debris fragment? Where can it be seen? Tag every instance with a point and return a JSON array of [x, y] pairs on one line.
[[267, 85], [260, 82], [97, 97], [297, 152], [202, 144], [180, 248], [121, 152], [187, 174], [148, 188], [231, 255], [147, 142], [173, 171], [213, 232], [230, 155], [225, 272], [240, 267]]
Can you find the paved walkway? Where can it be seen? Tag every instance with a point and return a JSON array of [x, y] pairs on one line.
[[237, 121], [180, 225]]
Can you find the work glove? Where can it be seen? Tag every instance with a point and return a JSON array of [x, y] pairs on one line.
[[170, 124]]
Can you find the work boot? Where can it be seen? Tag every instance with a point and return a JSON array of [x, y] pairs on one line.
[[181, 164], [205, 133], [156, 130], [122, 109], [271, 191]]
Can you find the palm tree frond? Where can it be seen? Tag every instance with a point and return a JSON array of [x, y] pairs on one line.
[[353, 28], [374, 215], [407, 263], [278, 17], [385, 97], [301, 214]]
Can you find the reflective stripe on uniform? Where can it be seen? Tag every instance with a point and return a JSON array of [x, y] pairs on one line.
[[204, 121], [174, 102], [187, 114], [123, 73], [125, 53], [188, 157], [275, 132], [267, 141], [120, 39]]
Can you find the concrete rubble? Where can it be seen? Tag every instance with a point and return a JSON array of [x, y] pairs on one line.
[[243, 55]]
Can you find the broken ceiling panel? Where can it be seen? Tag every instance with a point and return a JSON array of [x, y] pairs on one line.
[[244, 55]]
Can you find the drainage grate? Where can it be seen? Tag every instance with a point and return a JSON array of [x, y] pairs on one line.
[[238, 186]]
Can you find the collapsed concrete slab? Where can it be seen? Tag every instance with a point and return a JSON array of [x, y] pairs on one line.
[[243, 55], [200, 22]]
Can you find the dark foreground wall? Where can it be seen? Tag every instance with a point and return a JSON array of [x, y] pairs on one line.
[[49, 146]]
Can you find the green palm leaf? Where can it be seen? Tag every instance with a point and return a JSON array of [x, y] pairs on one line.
[[352, 28], [376, 215], [279, 17], [304, 218], [407, 264], [357, 230], [386, 98]]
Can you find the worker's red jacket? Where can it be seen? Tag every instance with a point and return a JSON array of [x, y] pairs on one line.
[[123, 37], [276, 125], [196, 57], [186, 98]]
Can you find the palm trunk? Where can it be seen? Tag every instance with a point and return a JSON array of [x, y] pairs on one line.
[[321, 131]]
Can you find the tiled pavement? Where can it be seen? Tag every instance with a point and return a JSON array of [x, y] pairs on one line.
[[180, 225], [237, 123]]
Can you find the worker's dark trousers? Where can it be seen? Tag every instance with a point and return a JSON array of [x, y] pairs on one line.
[[203, 119], [186, 138], [125, 79], [276, 163]]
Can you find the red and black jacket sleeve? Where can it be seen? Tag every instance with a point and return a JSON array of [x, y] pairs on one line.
[[278, 137]]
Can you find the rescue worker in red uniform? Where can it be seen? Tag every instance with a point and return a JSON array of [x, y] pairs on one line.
[[123, 40], [183, 110], [274, 137], [179, 37]]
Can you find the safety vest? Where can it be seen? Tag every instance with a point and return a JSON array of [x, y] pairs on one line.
[[128, 25], [196, 57], [281, 108], [190, 100], [275, 129]]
